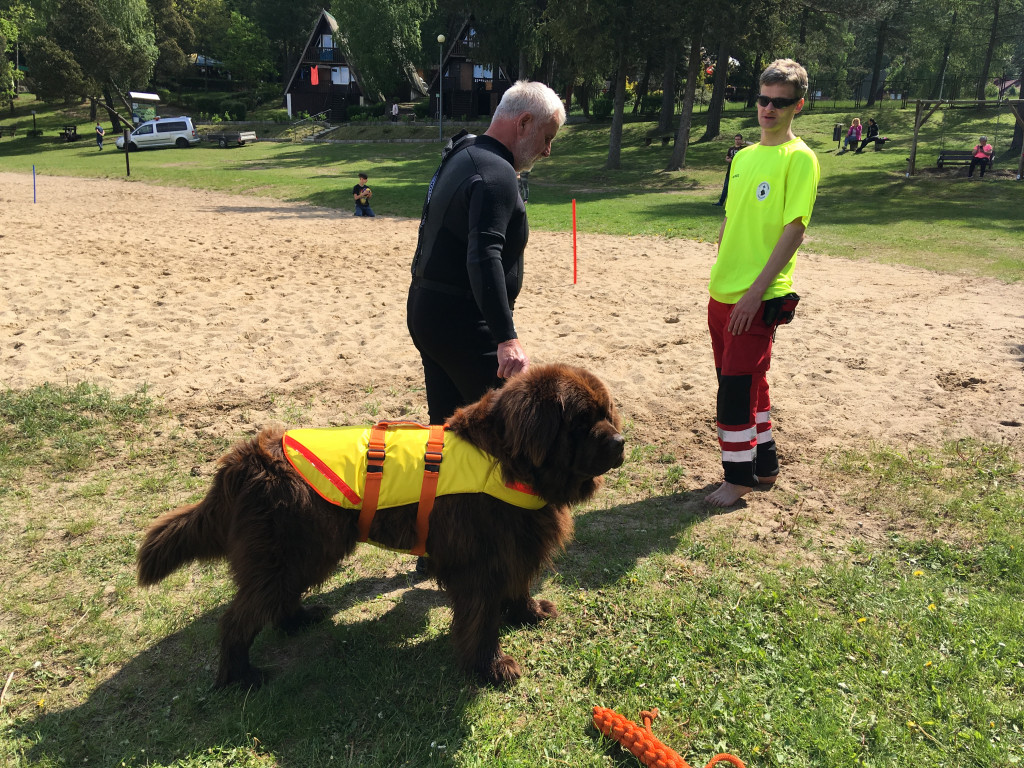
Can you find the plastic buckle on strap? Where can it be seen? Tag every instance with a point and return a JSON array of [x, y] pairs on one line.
[[432, 461], [374, 460]]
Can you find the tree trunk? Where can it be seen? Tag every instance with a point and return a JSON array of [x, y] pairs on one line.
[[678, 161], [1017, 143], [615, 140], [584, 99], [1018, 130], [755, 75], [521, 67], [643, 86], [983, 80], [115, 119], [876, 70], [668, 90], [717, 103], [937, 90]]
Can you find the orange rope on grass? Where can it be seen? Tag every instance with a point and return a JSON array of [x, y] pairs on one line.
[[643, 744]]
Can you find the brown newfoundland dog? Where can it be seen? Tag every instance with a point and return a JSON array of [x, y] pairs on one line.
[[553, 428]]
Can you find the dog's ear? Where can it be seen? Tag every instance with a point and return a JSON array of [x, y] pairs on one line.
[[531, 417]]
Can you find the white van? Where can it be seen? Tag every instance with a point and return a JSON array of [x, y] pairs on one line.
[[162, 132]]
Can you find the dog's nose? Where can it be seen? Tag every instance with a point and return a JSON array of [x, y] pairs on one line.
[[618, 448]]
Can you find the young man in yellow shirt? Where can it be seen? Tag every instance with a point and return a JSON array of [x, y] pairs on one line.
[[772, 187]]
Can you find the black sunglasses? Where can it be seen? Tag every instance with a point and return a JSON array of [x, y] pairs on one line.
[[779, 102]]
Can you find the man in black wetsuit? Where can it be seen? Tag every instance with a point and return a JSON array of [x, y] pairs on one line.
[[468, 268]]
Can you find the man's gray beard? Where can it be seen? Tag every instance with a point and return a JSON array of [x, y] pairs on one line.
[[519, 154]]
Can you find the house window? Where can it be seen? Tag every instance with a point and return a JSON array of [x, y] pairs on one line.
[[326, 48], [340, 76]]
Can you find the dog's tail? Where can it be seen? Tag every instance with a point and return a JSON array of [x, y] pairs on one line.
[[178, 537], [196, 531], [204, 531]]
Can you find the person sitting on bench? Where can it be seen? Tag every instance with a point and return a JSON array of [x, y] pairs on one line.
[[981, 155], [872, 136], [852, 135]]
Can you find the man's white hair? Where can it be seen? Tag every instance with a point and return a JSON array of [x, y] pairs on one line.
[[533, 97]]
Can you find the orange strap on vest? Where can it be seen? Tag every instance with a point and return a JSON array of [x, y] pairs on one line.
[[428, 491], [374, 473]]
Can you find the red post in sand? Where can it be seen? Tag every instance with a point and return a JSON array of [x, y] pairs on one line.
[[574, 241]]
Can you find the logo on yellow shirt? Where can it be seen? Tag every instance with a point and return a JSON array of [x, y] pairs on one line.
[[763, 189]]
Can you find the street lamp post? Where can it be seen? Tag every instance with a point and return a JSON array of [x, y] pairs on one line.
[[440, 86]]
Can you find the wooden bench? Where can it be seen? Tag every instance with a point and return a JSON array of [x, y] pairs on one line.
[[70, 133], [956, 157], [665, 137], [8, 130]]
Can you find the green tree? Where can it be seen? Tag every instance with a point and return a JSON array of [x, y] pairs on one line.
[[246, 51], [286, 23], [383, 37], [174, 35], [15, 19], [111, 43]]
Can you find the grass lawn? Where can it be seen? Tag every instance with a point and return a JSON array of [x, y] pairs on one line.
[[820, 648], [827, 646], [866, 208]]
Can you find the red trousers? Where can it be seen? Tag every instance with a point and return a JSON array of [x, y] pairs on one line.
[[743, 411]]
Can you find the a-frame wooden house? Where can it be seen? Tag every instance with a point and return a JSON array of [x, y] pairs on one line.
[[471, 88], [325, 79]]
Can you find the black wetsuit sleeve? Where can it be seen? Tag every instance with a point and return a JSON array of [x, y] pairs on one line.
[[490, 209]]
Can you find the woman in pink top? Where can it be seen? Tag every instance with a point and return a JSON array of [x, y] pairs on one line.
[[852, 135], [982, 155]]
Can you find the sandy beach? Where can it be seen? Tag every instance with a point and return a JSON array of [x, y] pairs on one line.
[[228, 306]]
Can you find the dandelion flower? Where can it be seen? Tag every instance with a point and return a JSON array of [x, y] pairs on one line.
[[931, 606], [919, 573], [862, 619]]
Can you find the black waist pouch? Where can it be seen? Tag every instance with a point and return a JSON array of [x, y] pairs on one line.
[[781, 310]]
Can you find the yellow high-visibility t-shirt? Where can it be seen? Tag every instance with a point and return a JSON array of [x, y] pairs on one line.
[[769, 187]]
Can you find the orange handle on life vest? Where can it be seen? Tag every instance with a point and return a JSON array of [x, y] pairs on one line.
[[428, 491], [374, 474]]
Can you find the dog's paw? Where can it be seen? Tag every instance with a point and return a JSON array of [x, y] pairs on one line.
[[305, 617], [504, 670], [546, 610], [529, 612], [252, 678]]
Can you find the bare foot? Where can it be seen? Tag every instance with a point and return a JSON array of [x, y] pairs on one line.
[[767, 479], [727, 494]]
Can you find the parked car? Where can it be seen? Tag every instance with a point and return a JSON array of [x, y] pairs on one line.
[[162, 132]]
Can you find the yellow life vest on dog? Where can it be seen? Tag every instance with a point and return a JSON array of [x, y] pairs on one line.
[[404, 460]]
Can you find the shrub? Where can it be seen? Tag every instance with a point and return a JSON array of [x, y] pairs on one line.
[[601, 108], [652, 104], [234, 110], [207, 102], [421, 109]]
